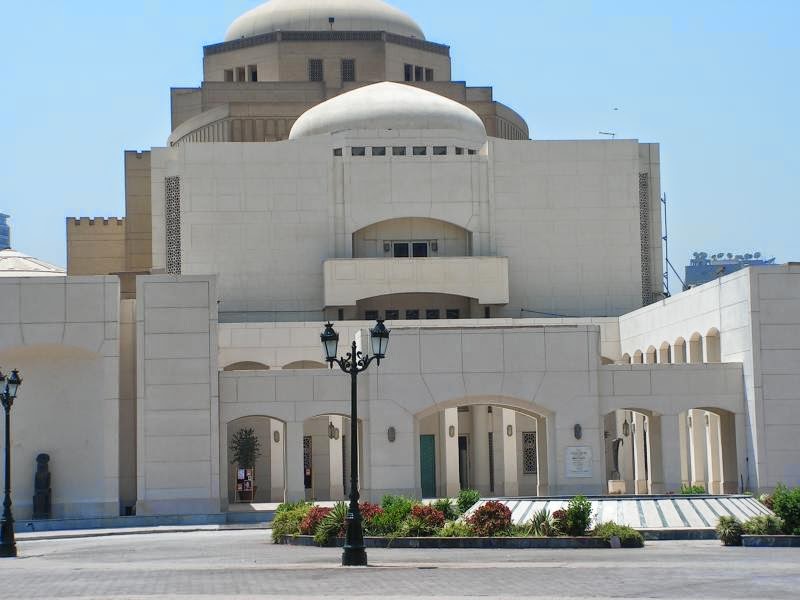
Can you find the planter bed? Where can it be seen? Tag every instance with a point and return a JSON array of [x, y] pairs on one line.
[[771, 541], [465, 542]]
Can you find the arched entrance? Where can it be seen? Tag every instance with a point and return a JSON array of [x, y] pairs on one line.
[[267, 482], [326, 457], [633, 460], [708, 450]]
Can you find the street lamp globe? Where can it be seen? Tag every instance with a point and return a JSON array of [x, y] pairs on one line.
[[380, 340], [330, 343], [12, 384]]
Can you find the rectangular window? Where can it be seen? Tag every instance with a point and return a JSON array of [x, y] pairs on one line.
[[228, 74], [412, 314], [358, 151], [401, 250], [432, 313], [419, 73], [529, 453], [315, 72], [398, 150], [370, 315], [348, 69], [487, 312], [453, 313], [420, 150], [420, 249], [428, 74], [408, 72], [253, 70], [459, 151], [379, 151], [337, 151], [392, 315], [463, 409], [240, 76], [439, 150], [472, 152], [340, 312]]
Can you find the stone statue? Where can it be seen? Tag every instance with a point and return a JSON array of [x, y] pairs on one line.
[[616, 443], [42, 494]]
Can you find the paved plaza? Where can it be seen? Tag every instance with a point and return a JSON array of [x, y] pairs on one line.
[[244, 564]]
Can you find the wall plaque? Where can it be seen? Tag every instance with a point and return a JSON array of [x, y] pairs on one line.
[[578, 461]]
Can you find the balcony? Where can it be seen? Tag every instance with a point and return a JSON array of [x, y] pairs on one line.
[[348, 280]]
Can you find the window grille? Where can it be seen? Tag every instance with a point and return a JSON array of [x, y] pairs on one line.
[[439, 150], [529, 453], [408, 72], [307, 479], [399, 150], [491, 462], [172, 190], [432, 313], [412, 315], [379, 151], [348, 69], [392, 315], [358, 151], [420, 151], [453, 313], [371, 315], [315, 72]]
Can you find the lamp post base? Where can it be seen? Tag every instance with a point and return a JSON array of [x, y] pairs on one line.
[[8, 545], [354, 557]]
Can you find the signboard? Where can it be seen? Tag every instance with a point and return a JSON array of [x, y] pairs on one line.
[[578, 461], [244, 480]]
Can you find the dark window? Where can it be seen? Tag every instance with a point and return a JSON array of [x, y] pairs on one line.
[[348, 69], [428, 74], [420, 150], [315, 72], [379, 151], [253, 69], [439, 150], [487, 312], [401, 249], [420, 249], [472, 152], [392, 315], [453, 313], [491, 461], [337, 151], [432, 313], [419, 72], [412, 315], [371, 315], [459, 151], [240, 74], [228, 74], [340, 312], [358, 151], [307, 473], [408, 71], [399, 150]]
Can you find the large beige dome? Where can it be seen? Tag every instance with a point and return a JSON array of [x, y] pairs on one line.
[[314, 15], [389, 105]]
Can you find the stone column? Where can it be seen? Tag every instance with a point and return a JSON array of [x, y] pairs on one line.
[[683, 436], [728, 451], [451, 485], [335, 459], [671, 462], [510, 473], [697, 447], [480, 449], [713, 451], [627, 452], [541, 456], [295, 486], [655, 453], [277, 458], [640, 456]]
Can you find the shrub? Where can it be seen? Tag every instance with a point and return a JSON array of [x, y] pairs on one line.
[[490, 519], [692, 490], [729, 530], [628, 536], [309, 523], [429, 514], [395, 510], [763, 525], [766, 500], [448, 508], [579, 516], [369, 511], [331, 525], [456, 529], [288, 517], [559, 522], [466, 499], [541, 524], [786, 504]]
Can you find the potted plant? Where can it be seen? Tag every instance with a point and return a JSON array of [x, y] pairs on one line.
[[245, 450]]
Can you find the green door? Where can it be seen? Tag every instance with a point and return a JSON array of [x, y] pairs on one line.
[[427, 465]]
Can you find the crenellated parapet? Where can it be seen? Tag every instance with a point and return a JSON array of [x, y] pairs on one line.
[[95, 246]]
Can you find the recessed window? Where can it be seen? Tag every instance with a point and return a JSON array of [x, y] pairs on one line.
[[487, 312], [240, 76], [337, 151], [412, 314], [392, 315], [432, 313], [471, 152], [453, 313], [408, 72], [529, 453], [400, 250], [348, 69], [420, 150], [253, 72], [428, 74], [459, 151], [315, 72], [420, 249], [228, 74], [419, 74], [439, 150], [379, 151], [398, 150], [358, 151], [371, 315], [340, 313]]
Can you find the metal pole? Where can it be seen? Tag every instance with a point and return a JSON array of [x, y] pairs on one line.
[[8, 545], [354, 554]]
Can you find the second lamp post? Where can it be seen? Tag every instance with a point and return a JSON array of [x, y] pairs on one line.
[[353, 363]]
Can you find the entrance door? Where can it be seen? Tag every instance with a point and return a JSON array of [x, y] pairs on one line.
[[427, 465], [463, 462]]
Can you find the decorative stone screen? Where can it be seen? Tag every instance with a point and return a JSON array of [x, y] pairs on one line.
[[491, 461], [529, 453], [644, 228], [172, 186], [307, 466]]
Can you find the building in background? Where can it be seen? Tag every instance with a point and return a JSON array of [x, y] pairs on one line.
[[704, 268], [5, 232]]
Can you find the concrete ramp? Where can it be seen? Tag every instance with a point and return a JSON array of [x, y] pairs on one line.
[[645, 512]]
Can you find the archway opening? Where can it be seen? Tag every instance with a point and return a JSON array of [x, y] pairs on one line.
[[638, 357], [713, 346], [411, 237], [327, 457], [265, 481], [696, 349], [246, 365], [708, 450], [633, 458], [651, 355], [679, 351], [664, 354]]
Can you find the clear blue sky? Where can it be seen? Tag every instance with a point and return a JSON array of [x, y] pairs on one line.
[[716, 83]]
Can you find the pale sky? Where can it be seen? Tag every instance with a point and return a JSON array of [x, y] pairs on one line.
[[714, 82]]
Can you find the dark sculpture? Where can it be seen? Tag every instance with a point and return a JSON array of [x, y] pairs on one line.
[[42, 494], [616, 443]]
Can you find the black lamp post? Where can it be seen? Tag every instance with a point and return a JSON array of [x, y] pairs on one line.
[[8, 545], [353, 363]]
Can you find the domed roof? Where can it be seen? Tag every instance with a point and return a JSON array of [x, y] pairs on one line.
[[17, 264], [314, 15], [388, 105]]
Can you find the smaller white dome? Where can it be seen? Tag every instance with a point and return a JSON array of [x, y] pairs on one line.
[[388, 105], [17, 264]]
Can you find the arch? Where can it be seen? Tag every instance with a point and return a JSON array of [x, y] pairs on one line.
[[376, 239], [651, 355], [626, 358], [604, 360], [713, 346], [638, 466], [267, 482], [709, 451], [517, 404], [638, 357], [679, 351], [304, 364], [246, 365], [664, 354], [327, 456], [696, 348]]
